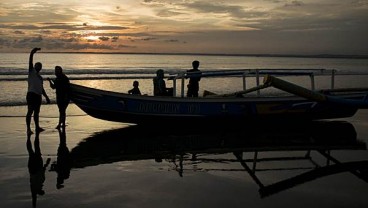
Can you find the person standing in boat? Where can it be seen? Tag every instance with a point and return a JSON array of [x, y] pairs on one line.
[[62, 86], [193, 86], [135, 90], [34, 93], [159, 85]]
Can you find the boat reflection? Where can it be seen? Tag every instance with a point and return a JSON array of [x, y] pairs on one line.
[[197, 145]]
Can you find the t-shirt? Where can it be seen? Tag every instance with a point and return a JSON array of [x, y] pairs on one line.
[[159, 87], [35, 82], [193, 81], [62, 85]]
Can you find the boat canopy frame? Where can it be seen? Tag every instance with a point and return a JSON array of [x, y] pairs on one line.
[[257, 73]]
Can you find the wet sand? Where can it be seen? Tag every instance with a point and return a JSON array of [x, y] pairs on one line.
[[107, 164]]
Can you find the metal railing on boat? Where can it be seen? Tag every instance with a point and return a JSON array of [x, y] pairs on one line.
[[257, 73]]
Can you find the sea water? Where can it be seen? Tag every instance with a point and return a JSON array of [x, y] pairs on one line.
[[116, 72], [206, 180]]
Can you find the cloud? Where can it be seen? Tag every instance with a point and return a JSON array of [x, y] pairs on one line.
[[148, 39], [60, 26], [115, 39], [18, 32], [294, 3], [172, 41], [125, 46], [208, 25], [104, 38]]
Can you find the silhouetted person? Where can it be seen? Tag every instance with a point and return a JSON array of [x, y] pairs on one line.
[[62, 86], [63, 164], [135, 90], [159, 85], [193, 86], [34, 93], [36, 168]]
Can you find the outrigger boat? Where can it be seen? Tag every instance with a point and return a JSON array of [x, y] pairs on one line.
[[301, 104]]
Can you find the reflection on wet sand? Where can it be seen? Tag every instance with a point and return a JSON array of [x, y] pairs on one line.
[[36, 168], [195, 146], [63, 163]]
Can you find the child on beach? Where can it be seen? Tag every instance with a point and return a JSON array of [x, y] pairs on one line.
[[135, 90], [61, 85], [34, 93]]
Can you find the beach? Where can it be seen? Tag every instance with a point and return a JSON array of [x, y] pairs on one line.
[[99, 163], [139, 180]]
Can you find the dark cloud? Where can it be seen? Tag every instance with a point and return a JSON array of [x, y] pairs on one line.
[[5, 42], [115, 39], [209, 7], [18, 32], [60, 26], [104, 38], [172, 41], [37, 39], [125, 46], [148, 39], [69, 40], [91, 27], [294, 3]]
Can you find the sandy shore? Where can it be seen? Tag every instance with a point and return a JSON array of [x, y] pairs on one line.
[[146, 183]]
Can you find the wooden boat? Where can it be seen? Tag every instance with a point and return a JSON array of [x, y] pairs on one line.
[[237, 107]]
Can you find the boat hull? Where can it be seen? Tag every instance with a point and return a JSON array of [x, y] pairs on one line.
[[127, 108]]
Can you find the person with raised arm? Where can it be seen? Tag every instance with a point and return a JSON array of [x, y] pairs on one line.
[[34, 93]]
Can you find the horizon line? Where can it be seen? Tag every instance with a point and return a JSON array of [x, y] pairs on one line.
[[359, 56]]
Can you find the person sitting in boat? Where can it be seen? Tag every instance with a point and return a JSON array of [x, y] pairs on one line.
[[135, 90], [159, 85], [193, 86]]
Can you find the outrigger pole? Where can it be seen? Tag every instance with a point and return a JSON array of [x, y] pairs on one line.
[[313, 95]]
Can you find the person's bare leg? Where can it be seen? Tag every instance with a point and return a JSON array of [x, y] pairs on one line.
[[28, 120], [36, 118]]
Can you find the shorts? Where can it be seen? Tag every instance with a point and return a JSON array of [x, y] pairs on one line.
[[34, 100]]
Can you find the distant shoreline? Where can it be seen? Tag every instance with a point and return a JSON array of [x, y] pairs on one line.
[[219, 54]]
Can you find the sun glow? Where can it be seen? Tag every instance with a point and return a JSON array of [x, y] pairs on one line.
[[92, 38]]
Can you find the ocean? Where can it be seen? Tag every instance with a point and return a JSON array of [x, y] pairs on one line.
[[96, 163], [117, 72]]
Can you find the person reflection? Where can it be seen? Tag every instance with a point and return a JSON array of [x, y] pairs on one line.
[[36, 168], [62, 165]]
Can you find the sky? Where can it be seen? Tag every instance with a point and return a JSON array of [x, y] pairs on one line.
[[299, 27]]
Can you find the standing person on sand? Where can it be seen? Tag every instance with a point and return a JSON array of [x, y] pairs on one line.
[[62, 86], [193, 86], [34, 93]]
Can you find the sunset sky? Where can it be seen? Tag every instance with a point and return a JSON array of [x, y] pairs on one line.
[[186, 26]]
